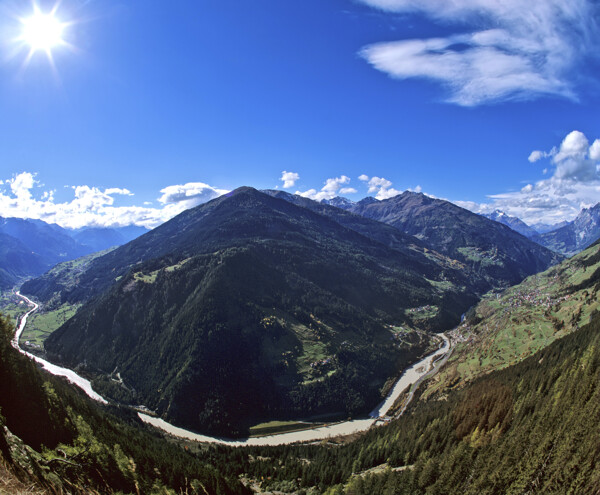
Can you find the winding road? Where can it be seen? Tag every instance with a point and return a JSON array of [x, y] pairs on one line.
[[411, 376]]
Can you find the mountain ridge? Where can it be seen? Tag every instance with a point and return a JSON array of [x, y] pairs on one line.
[[250, 307]]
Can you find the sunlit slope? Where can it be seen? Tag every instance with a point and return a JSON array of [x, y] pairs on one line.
[[509, 326]]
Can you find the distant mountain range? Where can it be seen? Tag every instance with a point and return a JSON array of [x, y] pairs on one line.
[[493, 250], [514, 223], [30, 247], [576, 235], [567, 238], [101, 238]]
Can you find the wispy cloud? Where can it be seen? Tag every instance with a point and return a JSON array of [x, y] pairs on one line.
[[24, 197], [501, 50], [574, 184]]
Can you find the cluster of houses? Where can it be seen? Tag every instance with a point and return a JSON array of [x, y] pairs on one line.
[[421, 309], [535, 298]]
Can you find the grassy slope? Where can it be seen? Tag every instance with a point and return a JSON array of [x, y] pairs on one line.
[[505, 328]]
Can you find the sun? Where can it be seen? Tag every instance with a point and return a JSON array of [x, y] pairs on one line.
[[42, 32]]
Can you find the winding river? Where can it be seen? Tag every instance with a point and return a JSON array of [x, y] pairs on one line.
[[415, 373], [70, 375]]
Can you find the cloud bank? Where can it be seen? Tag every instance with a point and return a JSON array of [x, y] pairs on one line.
[[331, 189], [500, 50], [94, 207], [574, 185]]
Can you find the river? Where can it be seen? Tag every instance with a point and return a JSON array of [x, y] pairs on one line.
[[70, 375], [409, 376]]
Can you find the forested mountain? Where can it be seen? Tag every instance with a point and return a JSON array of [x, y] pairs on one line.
[[576, 235], [496, 252], [250, 307]]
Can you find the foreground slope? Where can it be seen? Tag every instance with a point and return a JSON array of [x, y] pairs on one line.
[[499, 254], [530, 427], [252, 307], [54, 440]]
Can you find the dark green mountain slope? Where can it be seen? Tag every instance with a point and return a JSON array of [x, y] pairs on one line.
[[249, 306], [408, 245], [497, 253]]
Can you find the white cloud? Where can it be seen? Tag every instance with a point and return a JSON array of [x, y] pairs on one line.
[[192, 194], [535, 156], [91, 206], [289, 179], [574, 184], [331, 189], [118, 190], [595, 150], [21, 184], [381, 187], [515, 50]]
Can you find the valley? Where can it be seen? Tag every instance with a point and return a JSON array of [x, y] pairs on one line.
[[307, 433], [296, 301]]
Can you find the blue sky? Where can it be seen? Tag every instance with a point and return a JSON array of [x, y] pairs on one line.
[[149, 107]]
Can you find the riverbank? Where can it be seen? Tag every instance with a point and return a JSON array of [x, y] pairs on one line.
[[410, 376]]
